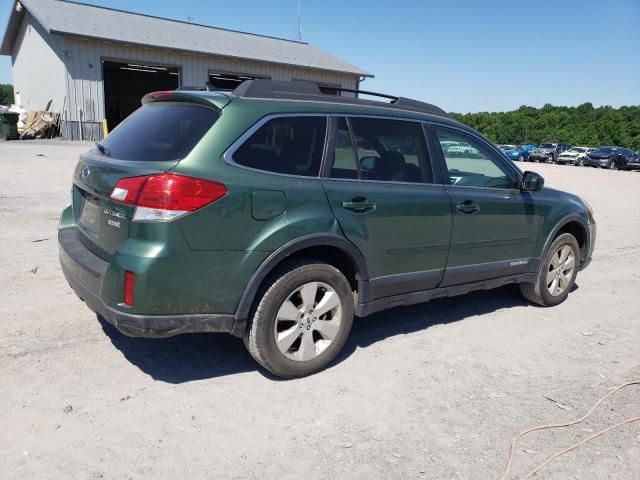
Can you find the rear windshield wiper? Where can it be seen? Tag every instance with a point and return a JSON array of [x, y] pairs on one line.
[[103, 149]]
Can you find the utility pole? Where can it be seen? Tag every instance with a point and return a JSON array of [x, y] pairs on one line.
[[189, 18], [299, 34]]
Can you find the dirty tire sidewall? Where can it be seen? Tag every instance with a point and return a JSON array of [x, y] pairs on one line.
[[537, 291], [260, 338]]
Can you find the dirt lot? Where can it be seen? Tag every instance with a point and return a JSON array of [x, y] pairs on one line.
[[431, 391]]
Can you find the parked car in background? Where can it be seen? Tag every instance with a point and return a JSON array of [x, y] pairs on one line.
[[517, 153], [548, 152], [626, 156], [634, 164], [575, 155], [609, 157], [505, 147]]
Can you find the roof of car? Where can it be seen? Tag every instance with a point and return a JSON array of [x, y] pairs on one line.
[[303, 96], [310, 92]]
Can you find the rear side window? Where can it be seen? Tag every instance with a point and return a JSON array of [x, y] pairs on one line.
[[289, 145], [160, 131]]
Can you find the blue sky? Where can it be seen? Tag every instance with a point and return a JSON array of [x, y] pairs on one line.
[[464, 55]]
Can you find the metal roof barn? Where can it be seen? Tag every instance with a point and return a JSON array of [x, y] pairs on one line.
[[96, 63]]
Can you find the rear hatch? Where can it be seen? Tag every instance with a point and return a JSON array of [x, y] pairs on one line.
[[152, 140]]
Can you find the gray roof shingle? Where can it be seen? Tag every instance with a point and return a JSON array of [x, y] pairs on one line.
[[89, 21]]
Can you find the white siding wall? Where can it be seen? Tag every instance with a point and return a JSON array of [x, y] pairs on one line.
[[38, 72], [84, 85]]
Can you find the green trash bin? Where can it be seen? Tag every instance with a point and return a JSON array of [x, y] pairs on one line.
[[8, 125]]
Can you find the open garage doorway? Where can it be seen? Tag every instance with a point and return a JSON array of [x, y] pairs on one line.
[[126, 83]]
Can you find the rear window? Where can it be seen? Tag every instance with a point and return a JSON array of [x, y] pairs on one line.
[[159, 131], [290, 145]]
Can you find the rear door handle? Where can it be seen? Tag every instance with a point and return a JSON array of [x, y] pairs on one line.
[[468, 207], [359, 205]]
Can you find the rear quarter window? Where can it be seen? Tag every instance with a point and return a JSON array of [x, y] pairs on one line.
[[288, 145], [161, 131]]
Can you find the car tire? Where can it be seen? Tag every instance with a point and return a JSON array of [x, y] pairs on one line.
[[542, 290], [521, 158], [311, 344], [612, 165]]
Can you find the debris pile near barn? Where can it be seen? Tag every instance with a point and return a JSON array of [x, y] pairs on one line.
[[41, 124]]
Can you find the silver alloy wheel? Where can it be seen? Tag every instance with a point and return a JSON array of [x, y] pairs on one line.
[[563, 262], [308, 321]]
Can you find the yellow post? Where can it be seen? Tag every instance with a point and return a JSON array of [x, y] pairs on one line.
[[105, 129]]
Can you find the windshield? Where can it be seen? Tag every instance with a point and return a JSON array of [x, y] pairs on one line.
[[577, 150], [605, 150], [547, 145], [161, 131]]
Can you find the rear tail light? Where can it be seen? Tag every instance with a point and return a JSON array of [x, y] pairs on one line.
[[129, 284], [166, 196]]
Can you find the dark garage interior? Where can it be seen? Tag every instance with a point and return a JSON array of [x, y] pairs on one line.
[[126, 83]]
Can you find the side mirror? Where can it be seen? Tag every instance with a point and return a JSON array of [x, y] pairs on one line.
[[368, 163], [531, 182]]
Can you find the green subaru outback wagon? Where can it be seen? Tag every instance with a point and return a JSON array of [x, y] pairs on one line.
[[277, 213]]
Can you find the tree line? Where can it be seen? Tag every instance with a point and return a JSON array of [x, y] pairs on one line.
[[6, 94], [581, 125]]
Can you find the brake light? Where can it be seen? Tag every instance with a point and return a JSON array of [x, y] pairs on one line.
[[166, 196], [161, 94], [129, 283]]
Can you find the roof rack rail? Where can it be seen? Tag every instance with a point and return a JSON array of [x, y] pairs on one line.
[[306, 90]]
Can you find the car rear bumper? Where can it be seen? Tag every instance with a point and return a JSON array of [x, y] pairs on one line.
[[539, 156], [85, 271], [567, 160], [597, 162]]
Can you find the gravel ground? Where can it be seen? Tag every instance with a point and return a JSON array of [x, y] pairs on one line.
[[430, 391]]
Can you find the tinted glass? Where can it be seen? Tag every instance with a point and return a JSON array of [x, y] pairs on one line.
[[471, 164], [160, 131], [344, 159], [290, 145], [603, 150], [391, 150]]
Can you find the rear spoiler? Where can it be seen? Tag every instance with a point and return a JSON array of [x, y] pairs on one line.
[[218, 100]]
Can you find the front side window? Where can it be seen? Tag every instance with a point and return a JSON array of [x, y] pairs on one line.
[[386, 150], [289, 145], [471, 164]]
